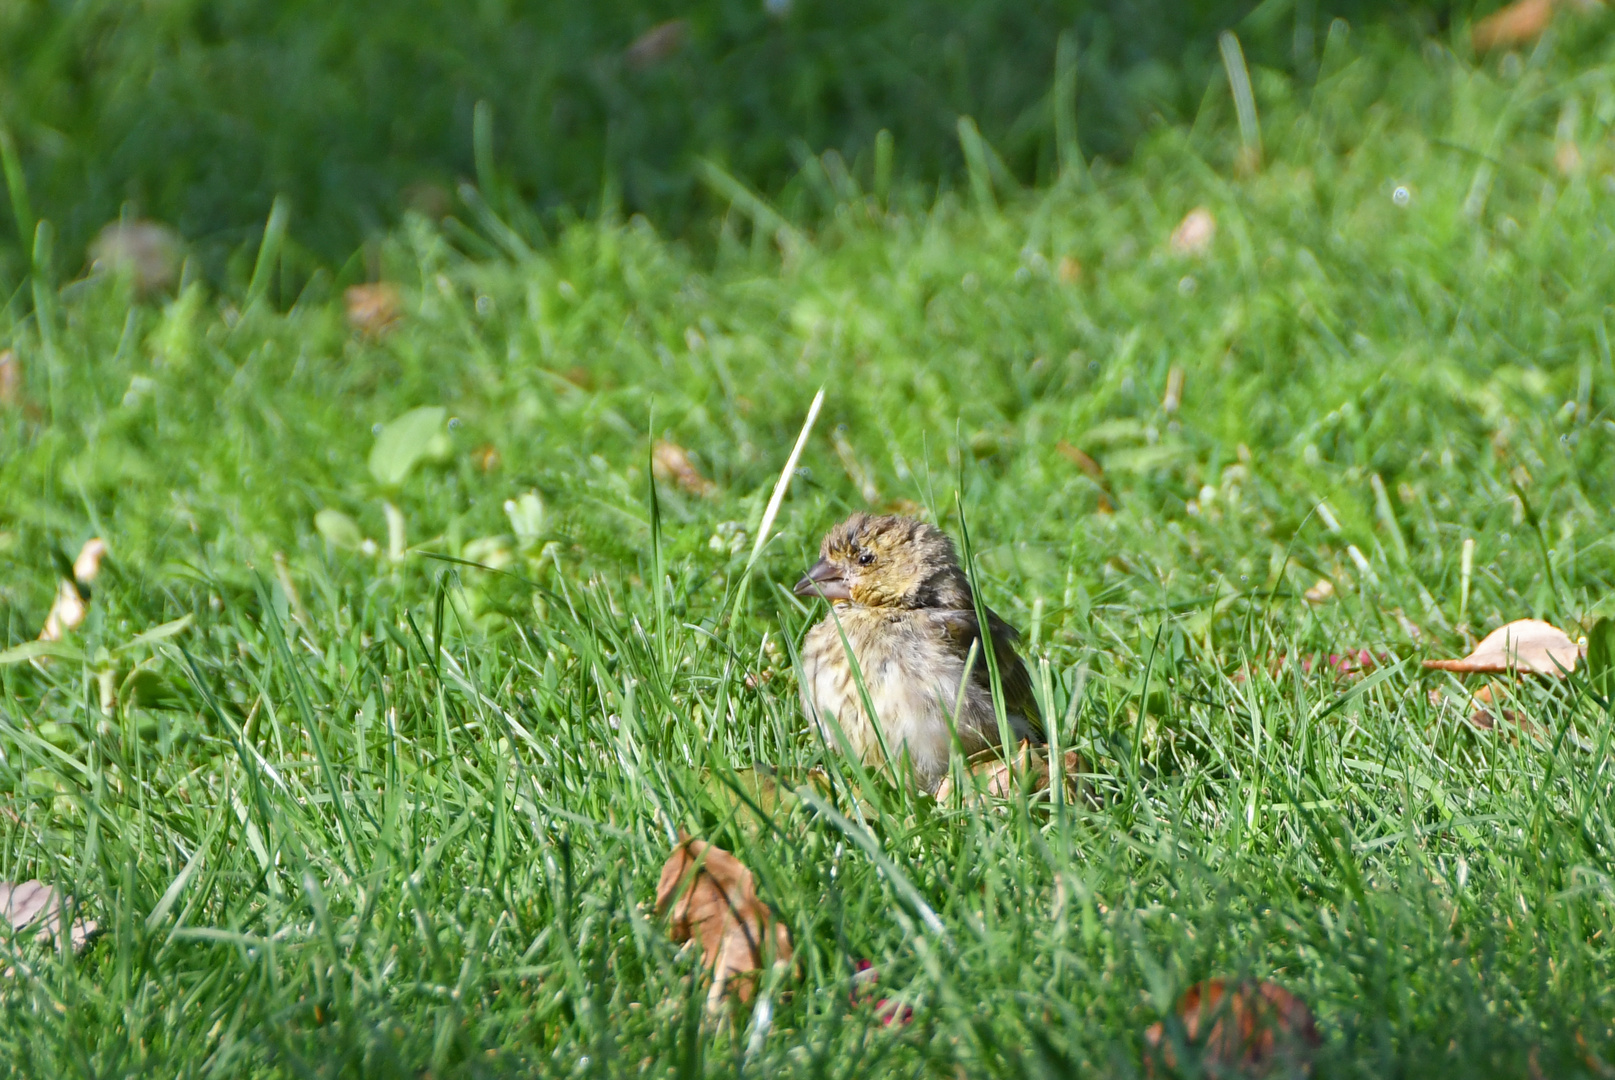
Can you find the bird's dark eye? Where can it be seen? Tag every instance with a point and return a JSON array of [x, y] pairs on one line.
[[866, 558]]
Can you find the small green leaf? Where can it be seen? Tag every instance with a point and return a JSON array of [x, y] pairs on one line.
[[158, 633], [338, 529], [416, 436]]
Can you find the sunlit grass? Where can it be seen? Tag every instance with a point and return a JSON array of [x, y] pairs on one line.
[[407, 814]]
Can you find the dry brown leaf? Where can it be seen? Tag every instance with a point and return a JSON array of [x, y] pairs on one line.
[[37, 906], [1251, 1028], [373, 309], [996, 778], [1194, 233], [150, 254], [67, 611], [1320, 593], [1523, 645], [1517, 24], [715, 902], [10, 377], [659, 43], [1070, 270], [670, 461]]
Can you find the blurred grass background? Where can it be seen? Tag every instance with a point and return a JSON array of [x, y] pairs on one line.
[[200, 114]]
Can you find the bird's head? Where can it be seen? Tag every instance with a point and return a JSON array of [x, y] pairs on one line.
[[887, 562]]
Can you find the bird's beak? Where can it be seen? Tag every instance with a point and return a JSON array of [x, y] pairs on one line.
[[823, 580]]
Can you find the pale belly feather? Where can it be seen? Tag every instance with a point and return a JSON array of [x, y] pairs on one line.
[[913, 685]]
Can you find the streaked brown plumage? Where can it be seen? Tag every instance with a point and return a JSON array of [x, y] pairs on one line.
[[909, 619]]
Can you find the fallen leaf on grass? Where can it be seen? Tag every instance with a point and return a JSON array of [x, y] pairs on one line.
[[10, 378], [714, 901], [1523, 645], [1320, 593], [670, 461], [1517, 24], [373, 309], [997, 778], [70, 606], [1488, 715], [148, 253], [660, 42], [1194, 233], [1249, 1028], [37, 906]]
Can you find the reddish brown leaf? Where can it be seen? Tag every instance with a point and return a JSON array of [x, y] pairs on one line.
[[670, 461], [1194, 233], [1523, 645], [714, 901], [373, 309], [1517, 24], [1250, 1028]]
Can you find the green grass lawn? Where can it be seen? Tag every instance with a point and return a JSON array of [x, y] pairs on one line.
[[374, 811]]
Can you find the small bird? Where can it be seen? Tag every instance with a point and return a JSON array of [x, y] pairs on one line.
[[908, 618]]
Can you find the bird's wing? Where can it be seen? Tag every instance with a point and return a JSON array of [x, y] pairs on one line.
[[962, 631]]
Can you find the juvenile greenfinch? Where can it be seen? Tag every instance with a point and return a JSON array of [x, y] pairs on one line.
[[903, 610]]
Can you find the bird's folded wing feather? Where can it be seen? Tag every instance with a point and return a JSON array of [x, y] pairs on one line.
[[962, 630]]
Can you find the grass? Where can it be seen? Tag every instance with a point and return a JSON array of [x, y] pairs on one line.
[[377, 811], [201, 116]]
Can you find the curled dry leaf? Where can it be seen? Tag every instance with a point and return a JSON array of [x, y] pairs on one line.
[[146, 252], [1523, 645], [10, 377], [670, 461], [67, 611], [37, 906], [996, 778], [660, 42], [714, 901], [1194, 233], [1250, 1028], [373, 309], [1517, 24]]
